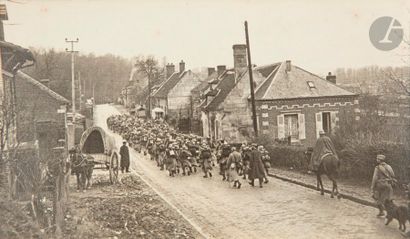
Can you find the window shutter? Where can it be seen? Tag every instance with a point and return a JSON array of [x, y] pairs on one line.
[[334, 117], [281, 126], [319, 124], [302, 131]]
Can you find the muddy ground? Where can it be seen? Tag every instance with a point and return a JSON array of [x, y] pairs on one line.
[[127, 210]]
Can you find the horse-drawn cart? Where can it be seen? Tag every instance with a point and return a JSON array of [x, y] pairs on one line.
[[101, 149]]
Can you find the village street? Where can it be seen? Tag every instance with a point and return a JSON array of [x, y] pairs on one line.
[[279, 210]]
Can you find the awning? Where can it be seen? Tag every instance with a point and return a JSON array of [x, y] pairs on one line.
[[158, 110]]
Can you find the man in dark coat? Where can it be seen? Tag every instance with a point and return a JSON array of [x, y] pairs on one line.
[[125, 157], [257, 170]]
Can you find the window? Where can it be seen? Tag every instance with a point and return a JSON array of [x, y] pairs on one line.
[[311, 85], [292, 126], [326, 122]]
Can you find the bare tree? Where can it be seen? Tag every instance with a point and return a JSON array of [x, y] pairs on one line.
[[149, 67]]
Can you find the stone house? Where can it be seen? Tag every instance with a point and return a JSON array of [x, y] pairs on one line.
[[174, 95], [197, 96]]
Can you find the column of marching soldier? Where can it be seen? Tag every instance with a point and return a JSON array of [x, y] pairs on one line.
[[186, 154]]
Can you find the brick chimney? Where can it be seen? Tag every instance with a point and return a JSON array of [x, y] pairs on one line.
[[331, 78], [288, 65], [220, 69], [239, 59], [211, 70], [170, 69], [181, 66], [45, 82]]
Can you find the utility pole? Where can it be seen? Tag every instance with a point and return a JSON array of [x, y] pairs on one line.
[[255, 123], [72, 51], [149, 96], [80, 92]]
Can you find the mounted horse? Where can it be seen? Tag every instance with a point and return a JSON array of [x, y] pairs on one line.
[[323, 160]]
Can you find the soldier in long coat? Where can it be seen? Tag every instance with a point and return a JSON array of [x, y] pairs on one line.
[[257, 170], [125, 157]]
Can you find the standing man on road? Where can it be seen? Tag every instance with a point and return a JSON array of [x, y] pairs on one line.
[[381, 187], [256, 171], [125, 157]]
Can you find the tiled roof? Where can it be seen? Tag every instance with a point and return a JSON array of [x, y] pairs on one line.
[[167, 86], [225, 85], [23, 76], [297, 83], [205, 82]]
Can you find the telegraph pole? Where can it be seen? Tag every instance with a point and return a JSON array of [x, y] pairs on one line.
[[255, 123], [80, 91], [72, 51]]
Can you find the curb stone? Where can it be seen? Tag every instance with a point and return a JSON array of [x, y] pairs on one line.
[[310, 186]]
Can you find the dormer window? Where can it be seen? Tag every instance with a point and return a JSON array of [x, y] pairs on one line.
[[311, 84]]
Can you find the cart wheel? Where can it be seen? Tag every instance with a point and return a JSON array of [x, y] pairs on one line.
[[114, 168]]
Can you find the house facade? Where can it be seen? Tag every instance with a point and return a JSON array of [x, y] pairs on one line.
[[294, 104]]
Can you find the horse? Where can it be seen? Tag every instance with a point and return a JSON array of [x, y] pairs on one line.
[[329, 166], [82, 168]]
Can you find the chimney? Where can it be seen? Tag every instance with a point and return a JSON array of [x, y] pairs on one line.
[[331, 78], [239, 59], [288, 65], [220, 69], [170, 69], [211, 70], [45, 82], [181, 66]]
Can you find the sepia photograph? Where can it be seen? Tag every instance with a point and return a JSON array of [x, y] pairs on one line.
[[213, 119]]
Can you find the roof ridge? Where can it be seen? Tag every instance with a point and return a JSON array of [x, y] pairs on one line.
[[164, 82], [267, 78], [273, 80]]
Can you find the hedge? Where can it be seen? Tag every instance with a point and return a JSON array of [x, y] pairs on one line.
[[358, 158]]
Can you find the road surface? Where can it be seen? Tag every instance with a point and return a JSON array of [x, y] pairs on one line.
[[279, 210]]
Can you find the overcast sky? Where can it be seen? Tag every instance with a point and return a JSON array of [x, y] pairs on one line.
[[318, 35]]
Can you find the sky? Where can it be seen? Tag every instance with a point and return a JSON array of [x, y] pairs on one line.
[[317, 35]]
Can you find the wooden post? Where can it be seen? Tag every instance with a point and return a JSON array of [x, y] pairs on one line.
[[255, 123]]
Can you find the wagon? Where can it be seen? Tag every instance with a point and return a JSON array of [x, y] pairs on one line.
[[101, 149]]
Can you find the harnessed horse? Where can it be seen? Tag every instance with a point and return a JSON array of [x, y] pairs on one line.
[[82, 168]]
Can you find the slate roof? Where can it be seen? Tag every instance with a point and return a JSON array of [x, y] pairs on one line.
[[23, 76], [167, 86], [225, 85], [295, 84], [205, 83]]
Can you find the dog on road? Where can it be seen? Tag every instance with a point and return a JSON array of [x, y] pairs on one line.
[[400, 213]]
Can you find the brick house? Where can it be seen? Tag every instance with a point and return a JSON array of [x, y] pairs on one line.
[[295, 103]]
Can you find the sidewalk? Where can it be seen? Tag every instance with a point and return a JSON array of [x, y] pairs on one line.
[[355, 191]]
